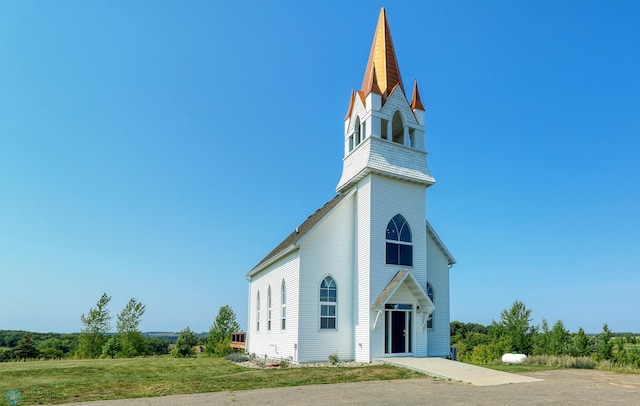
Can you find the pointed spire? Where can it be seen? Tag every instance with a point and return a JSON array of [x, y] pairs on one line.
[[382, 56], [372, 85], [416, 103], [352, 99]]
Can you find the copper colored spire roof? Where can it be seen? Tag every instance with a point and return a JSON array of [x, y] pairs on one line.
[[352, 99], [382, 64], [416, 103]]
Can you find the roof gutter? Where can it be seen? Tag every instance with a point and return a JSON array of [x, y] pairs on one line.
[[272, 260]]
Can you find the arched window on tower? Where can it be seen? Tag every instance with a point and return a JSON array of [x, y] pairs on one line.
[[356, 128], [397, 128], [399, 246], [328, 303], [432, 297]]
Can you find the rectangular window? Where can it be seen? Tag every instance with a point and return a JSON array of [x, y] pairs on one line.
[[406, 255], [328, 316], [284, 317], [392, 253]]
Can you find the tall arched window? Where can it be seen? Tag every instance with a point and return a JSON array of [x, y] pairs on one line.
[[397, 128], [284, 306], [328, 303], [357, 131], [432, 297], [269, 309], [258, 312], [399, 247]]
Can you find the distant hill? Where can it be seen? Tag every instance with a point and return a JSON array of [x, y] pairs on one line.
[[170, 335]]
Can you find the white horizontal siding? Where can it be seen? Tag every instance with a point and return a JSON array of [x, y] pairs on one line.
[[275, 343], [438, 276], [390, 197], [328, 250], [362, 298]]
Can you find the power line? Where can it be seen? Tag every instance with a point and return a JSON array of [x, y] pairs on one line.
[[28, 309]]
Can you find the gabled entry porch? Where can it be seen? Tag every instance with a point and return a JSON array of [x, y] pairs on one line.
[[401, 314]]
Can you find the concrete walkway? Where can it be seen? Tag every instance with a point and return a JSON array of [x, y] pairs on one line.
[[457, 371]]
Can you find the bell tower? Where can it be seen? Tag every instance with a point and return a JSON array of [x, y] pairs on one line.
[[383, 132]]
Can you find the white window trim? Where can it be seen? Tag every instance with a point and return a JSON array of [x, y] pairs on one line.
[[320, 304]]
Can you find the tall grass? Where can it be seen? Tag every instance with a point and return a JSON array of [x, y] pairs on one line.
[[566, 361], [561, 361]]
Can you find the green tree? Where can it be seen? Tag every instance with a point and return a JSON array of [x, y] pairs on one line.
[[219, 338], [581, 347], [156, 346], [111, 347], [131, 340], [183, 347], [54, 347], [604, 346], [620, 355], [516, 324], [96, 325], [541, 341], [559, 339], [26, 348]]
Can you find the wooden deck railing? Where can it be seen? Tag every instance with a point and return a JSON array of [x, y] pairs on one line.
[[238, 340]]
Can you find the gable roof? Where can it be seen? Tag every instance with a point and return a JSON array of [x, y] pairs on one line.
[[450, 259], [291, 242], [406, 277]]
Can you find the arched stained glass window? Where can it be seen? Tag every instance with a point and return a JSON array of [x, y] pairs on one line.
[[432, 297], [328, 303], [399, 247]]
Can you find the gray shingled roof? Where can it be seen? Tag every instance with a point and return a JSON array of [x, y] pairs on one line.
[[300, 231], [406, 277]]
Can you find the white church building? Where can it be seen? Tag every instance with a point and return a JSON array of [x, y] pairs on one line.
[[365, 276]]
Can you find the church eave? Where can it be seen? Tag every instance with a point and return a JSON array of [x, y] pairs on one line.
[[450, 259], [292, 242], [425, 181]]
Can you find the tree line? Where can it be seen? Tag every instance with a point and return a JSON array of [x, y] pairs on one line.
[[96, 341], [514, 332]]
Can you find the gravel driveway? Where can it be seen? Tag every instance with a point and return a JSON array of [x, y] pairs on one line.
[[560, 387]]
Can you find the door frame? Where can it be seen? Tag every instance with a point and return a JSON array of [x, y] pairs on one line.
[[409, 324]]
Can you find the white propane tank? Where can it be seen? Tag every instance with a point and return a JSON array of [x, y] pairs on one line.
[[513, 358]]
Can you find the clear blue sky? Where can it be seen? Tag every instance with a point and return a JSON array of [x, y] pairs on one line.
[[159, 149]]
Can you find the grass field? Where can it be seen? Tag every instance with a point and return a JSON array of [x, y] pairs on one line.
[[86, 380]]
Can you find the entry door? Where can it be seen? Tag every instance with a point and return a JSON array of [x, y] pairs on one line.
[[397, 339], [398, 332]]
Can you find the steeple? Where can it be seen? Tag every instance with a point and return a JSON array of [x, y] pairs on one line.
[[382, 64], [384, 133]]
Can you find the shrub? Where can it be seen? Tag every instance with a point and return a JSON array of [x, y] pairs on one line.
[[222, 348], [334, 359], [184, 344], [284, 364], [237, 357]]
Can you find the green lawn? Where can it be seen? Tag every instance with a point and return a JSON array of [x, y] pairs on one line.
[[85, 380]]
